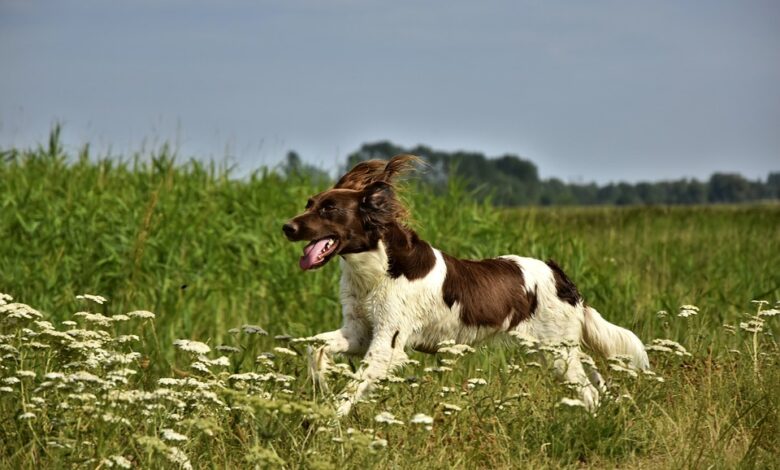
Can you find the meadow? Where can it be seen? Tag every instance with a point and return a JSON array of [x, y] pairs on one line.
[[191, 355]]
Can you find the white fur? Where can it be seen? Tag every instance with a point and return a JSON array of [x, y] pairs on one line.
[[382, 316]]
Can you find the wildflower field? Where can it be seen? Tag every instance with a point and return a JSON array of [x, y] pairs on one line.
[[152, 315]]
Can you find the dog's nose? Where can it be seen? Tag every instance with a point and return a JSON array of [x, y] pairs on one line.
[[290, 229]]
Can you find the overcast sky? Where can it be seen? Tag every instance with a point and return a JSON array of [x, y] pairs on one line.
[[596, 90]]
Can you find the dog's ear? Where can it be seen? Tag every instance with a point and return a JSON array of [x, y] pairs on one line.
[[377, 197], [371, 171]]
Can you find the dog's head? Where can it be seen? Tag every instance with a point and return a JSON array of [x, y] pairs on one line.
[[350, 217]]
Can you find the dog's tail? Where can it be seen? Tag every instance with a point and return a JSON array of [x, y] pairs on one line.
[[611, 340]]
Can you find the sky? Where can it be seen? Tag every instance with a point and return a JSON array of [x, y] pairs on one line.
[[589, 91]]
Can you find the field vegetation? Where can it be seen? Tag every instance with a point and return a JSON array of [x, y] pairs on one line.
[[192, 357]]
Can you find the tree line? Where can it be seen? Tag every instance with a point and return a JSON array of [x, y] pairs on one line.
[[510, 180]]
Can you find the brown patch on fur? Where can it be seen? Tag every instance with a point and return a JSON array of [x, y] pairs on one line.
[[408, 255], [371, 171], [564, 287], [488, 291], [423, 348]]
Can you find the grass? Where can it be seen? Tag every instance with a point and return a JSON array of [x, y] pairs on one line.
[[204, 252]]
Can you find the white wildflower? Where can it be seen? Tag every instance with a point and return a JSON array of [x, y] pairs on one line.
[[476, 381], [96, 318], [286, 351], [456, 349], [662, 314], [450, 407], [69, 323], [54, 376], [688, 310], [98, 299], [667, 346], [83, 397], [25, 374], [27, 416], [752, 326], [178, 457], [168, 381], [254, 330], [200, 367], [5, 298], [769, 313], [221, 361], [228, 349], [245, 377], [386, 417], [421, 418], [11, 381], [121, 462], [171, 435], [122, 339], [83, 376], [142, 314], [44, 325], [627, 370], [438, 369], [6, 389], [195, 347], [119, 317], [18, 311]]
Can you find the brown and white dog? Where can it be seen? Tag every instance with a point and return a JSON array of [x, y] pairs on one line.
[[397, 291]]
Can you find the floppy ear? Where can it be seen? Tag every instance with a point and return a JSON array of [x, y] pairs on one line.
[[371, 171], [378, 197]]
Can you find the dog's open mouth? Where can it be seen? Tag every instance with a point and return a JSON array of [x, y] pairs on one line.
[[318, 252]]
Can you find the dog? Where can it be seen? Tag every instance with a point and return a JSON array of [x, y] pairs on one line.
[[399, 292]]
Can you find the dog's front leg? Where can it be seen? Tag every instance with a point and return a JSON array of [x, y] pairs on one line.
[[352, 338], [385, 353]]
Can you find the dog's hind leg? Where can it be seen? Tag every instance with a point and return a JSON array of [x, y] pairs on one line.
[[569, 368]]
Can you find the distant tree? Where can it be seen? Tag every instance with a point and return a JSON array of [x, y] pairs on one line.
[[773, 185], [512, 180], [649, 193], [729, 187], [522, 170], [294, 167], [555, 191], [626, 195], [382, 150]]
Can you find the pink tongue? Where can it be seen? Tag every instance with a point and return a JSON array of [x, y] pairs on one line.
[[311, 252]]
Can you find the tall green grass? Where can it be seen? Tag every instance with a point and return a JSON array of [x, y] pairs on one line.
[[204, 251]]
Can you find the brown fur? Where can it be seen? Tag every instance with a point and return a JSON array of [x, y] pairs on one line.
[[564, 287], [371, 171], [488, 291], [408, 255]]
